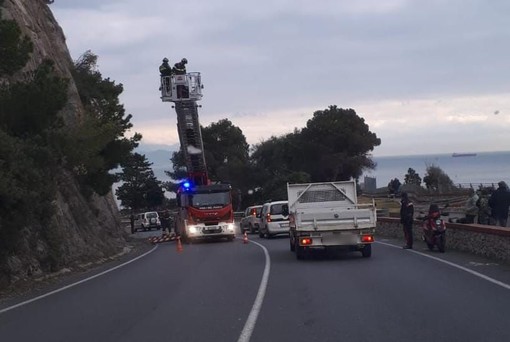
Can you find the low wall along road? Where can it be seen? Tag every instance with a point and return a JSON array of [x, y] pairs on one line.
[[490, 241]]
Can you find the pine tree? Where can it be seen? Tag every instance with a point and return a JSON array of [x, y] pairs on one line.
[[140, 188]]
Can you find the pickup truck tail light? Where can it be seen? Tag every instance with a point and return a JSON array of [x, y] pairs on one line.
[[306, 241], [367, 238]]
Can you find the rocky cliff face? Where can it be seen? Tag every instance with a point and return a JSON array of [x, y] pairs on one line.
[[87, 228]]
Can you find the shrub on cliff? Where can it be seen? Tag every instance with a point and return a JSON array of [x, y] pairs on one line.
[[28, 115], [98, 144], [15, 49]]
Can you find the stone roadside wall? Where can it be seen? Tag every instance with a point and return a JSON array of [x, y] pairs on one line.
[[488, 241]]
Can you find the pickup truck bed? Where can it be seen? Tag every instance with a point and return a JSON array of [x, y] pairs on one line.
[[326, 215]]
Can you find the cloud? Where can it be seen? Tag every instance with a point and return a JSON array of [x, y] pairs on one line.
[[407, 67], [404, 126], [108, 30]]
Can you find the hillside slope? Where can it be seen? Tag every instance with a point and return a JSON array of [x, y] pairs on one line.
[[83, 228]]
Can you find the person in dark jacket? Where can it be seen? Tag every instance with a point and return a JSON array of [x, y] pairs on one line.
[[166, 222], [180, 67], [407, 219], [499, 203], [165, 69]]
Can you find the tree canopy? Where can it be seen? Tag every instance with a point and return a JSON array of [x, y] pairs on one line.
[[98, 144], [337, 142], [334, 145], [437, 180], [412, 177], [140, 188]]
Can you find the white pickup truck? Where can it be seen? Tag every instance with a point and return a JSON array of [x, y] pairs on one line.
[[327, 215]]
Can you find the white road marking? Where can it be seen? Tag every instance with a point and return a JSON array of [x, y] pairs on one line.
[[482, 276], [255, 310], [77, 283]]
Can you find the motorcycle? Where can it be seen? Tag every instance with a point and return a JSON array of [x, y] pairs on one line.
[[434, 229]]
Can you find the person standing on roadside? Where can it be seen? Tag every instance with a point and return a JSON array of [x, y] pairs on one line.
[[407, 219], [471, 210], [484, 211], [499, 203]]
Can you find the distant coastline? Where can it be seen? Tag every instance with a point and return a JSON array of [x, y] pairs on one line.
[[432, 154], [463, 154], [485, 168]]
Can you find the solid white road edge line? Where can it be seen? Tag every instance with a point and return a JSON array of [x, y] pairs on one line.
[[249, 326], [492, 280], [77, 283]]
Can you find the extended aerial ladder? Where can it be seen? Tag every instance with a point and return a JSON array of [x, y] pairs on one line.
[[184, 91], [205, 209]]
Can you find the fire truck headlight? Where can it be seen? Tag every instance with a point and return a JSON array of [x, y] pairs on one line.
[[193, 229], [230, 227]]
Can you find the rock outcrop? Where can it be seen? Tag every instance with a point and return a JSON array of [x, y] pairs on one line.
[[86, 228]]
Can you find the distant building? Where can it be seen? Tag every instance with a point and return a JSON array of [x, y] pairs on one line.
[[369, 184]]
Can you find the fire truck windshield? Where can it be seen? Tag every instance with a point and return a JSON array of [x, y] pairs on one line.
[[211, 200]]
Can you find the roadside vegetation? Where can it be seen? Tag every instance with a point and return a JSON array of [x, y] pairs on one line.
[[335, 145], [37, 144]]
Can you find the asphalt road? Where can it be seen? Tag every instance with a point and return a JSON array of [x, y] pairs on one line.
[[218, 292]]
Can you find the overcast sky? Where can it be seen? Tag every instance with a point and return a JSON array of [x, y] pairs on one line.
[[427, 76]]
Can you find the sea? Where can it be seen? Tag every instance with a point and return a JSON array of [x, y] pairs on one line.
[[471, 169], [483, 168]]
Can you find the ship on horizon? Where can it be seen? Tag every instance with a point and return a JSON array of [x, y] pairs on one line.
[[464, 154]]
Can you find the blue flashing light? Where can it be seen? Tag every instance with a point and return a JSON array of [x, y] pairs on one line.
[[186, 185]]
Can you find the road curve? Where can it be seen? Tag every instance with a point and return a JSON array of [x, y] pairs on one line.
[[207, 292]]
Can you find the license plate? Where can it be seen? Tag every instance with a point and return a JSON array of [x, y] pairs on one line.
[[284, 225]]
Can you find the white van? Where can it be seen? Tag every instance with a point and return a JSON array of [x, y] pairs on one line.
[[274, 219]]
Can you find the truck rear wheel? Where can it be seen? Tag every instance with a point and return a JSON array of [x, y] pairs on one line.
[[366, 252], [300, 251]]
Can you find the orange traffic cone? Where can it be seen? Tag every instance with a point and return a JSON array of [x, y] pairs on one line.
[[179, 245], [245, 238]]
